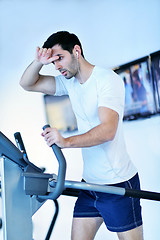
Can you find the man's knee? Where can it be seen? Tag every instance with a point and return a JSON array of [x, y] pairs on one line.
[[85, 228], [134, 234]]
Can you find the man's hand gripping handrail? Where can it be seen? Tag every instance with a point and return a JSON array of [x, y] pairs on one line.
[[61, 173]]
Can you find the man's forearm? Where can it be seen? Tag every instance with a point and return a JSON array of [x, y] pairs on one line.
[[31, 75], [98, 135]]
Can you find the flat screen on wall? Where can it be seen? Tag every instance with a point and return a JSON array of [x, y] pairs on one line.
[[59, 113], [139, 89], [155, 67]]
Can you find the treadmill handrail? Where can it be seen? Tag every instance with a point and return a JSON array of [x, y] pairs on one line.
[[61, 173]]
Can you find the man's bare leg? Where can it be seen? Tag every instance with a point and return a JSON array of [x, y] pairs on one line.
[[85, 228], [134, 234]]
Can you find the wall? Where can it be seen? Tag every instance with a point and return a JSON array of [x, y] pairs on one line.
[[112, 32]]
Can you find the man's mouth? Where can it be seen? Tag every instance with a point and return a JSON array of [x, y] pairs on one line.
[[64, 72]]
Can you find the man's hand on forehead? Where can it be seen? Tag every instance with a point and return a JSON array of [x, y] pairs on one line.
[[45, 56]]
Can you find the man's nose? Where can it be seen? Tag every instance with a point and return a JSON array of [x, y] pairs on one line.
[[57, 65]]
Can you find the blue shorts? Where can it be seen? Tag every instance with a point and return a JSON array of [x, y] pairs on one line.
[[119, 213]]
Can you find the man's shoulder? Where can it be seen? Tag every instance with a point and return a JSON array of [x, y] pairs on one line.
[[102, 71], [64, 80], [105, 74]]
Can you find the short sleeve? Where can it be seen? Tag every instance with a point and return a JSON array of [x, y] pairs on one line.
[[111, 92], [60, 86]]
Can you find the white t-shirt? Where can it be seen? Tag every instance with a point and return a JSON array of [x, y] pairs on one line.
[[107, 163]]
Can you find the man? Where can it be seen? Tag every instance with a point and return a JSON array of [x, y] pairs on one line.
[[97, 97]]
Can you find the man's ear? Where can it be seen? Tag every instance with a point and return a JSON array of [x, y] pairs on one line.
[[77, 51], [77, 54]]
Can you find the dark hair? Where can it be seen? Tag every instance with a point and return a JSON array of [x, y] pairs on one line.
[[65, 39]]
